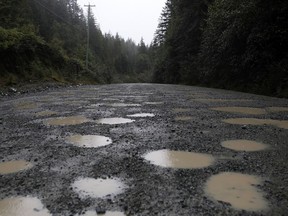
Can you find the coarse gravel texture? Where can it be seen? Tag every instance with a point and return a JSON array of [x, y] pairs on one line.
[[151, 190]]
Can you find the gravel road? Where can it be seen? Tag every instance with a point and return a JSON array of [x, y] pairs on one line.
[[143, 149]]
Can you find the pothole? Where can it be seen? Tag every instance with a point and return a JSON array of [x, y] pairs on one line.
[[142, 115], [97, 188], [89, 141], [179, 159], [22, 206], [254, 121], [45, 113], [238, 190], [153, 103], [183, 118], [107, 213], [71, 120], [123, 105], [26, 105], [221, 100], [112, 121], [244, 145], [277, 109], [241, 110], [14, 166]]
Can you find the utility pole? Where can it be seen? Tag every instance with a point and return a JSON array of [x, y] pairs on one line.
[[88, 17]]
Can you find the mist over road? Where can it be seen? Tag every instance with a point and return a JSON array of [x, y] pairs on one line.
[[143, 149]]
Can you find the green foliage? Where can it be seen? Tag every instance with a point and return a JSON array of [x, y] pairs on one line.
[[228, 44], [47, 39]]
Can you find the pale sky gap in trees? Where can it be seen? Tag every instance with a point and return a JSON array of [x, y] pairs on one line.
[[130, 18]]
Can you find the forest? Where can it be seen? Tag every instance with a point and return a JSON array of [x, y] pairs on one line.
[[239, 45], [47, 39]]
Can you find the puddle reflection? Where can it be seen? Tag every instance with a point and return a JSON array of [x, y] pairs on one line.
[[14, 166], [97, 188], [179, 159], [237, 189], [89, 141], [142, 115], [244, 145], [112, 121], [22, 206]]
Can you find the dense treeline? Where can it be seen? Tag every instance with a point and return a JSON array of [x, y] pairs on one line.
[[231, 44], [46, 39]]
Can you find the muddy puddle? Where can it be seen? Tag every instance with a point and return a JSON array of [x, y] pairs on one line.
[[179, 159], [71, 120], [244, 145], [26, 106], [183, 118], [239, 190], [113, 121], [204, 100], [277, 109], [14, 166], [98, 188], [139, 115], [254, 121], [22, 206], [89, 141], [153, 103], [180, 110], [241, 110], [107, 213], [45, 113], [123, 105]]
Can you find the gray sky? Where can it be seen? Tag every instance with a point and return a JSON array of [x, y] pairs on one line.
[[130, 18]]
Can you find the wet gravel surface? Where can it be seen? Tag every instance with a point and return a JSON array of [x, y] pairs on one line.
[[150, 189]]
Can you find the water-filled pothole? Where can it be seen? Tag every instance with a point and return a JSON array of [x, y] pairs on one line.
[[97, 188], [277, 109], [46, 113], [112, 121], [244, 145], [107, 213], [142, 115], [123, 105], [254, 121], [14, 166], [71, 120], [153, 103], [89, 141], [26, 105], [241, 110], [204, 100], [238, 190], [179, 159], [22, 206], [183, 118]]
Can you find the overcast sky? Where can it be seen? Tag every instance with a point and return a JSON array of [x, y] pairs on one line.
[[130, 18]]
